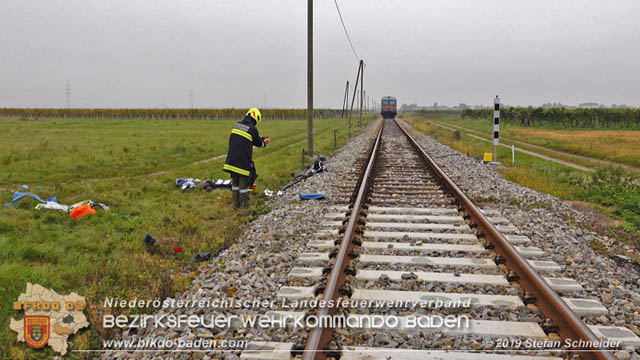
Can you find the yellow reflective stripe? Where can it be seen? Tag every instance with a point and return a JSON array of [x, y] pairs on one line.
[[235, 169], [243, 134]]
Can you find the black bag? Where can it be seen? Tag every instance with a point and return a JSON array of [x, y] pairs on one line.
[[252, 175]]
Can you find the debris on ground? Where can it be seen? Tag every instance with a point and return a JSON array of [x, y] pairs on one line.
[[311, 196], [217, 184], [81, 211], [317, 167], [186, 184], [201, 256], [162, 245], [269, 193], [190, 183], [18, 195], [149, 240], [53, 204]]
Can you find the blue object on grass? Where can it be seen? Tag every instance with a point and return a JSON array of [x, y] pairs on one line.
[[19, 195], [311, 196], [24, 186]]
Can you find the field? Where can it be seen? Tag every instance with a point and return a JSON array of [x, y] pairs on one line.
[[621, 146], [563, 118], [130, 165], [610, 191], [161, 113]]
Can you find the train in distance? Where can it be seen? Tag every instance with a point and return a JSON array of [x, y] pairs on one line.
[[388, 107]]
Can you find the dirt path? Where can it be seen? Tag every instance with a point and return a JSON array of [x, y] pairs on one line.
[[473, 133], [217, 157], [160, 172]]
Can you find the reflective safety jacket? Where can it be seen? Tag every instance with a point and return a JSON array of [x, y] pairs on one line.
[[244, 136]]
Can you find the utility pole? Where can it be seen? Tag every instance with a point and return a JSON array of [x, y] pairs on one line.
[[310, 77], [191, 98], [355, 90], [365, 100], [345, 100], [68, 92], [361, 89]]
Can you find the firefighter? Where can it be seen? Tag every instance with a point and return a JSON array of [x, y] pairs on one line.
[[244, 136]]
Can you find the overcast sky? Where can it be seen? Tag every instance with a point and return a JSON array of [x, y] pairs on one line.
[[241, 53]]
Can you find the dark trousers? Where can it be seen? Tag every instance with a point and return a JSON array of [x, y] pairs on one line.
[[240, 190]]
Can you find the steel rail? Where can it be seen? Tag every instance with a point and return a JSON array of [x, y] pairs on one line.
[[550, 303], [319, 337]]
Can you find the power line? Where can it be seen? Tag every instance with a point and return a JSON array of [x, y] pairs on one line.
[[68, 92], [345, 30]]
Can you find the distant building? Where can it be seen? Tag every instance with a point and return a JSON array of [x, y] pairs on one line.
[[589, 105], [409, 107], [462, 106]]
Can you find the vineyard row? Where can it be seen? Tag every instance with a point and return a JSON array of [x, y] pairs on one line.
[[215, 114], [601, 118]]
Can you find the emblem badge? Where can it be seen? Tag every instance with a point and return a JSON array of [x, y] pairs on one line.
[[36, 330]]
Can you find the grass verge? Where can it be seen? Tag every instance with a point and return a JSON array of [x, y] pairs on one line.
[[621, 146]]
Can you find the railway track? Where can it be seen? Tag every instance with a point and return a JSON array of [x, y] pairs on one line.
[[413, 248]]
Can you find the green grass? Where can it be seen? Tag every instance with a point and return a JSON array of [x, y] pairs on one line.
[[117, 162], [612, 190], [622, 146]]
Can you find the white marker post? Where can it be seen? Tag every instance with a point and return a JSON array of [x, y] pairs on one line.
[[496, 127]]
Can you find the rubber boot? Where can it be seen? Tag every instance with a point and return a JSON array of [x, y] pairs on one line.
[[235, 187], [235, 194], [243, 182], [244, 199]]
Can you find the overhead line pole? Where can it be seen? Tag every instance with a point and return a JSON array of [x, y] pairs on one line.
[[365, 100], [345, 100], [310, 77], [68, 92], [361, 88], [355, 90]]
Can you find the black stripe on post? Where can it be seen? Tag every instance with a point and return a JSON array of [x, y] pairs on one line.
[[496, 125]]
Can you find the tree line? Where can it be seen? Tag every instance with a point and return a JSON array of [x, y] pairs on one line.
[[213, 114], [600, 118]]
